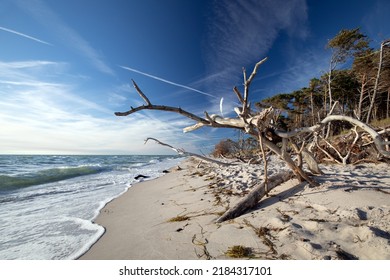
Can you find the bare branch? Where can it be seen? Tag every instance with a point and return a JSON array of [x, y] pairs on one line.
[[163, 108], [301, 175], [383, 131], [183, 152], [247, 83], [149, 106], [193, 127], [239, 95], [378, 141], [298, 151], [324, 151], [334, 148], [210, 120], [254, 72], [179, 151], [244, 74], [380, 144], [298, 131], [141, 93], [333, 107], [352, 145]]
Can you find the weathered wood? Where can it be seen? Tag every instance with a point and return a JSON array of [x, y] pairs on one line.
[[311, 162], [256, 124], [163, 108], [239, 95], [378, 140], [247, 82], [380, 144], [250, 200], [301, 175], [143, 96], [183, 152]]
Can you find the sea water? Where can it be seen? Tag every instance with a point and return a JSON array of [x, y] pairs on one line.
[[48, 203]]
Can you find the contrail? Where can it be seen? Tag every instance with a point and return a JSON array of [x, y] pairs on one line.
[[24, 35], [166, 81]]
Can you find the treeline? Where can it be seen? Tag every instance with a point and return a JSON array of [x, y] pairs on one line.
[[361, 90], [357, 84]]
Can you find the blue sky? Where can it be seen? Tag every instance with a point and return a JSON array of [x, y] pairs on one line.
[[66, 66]]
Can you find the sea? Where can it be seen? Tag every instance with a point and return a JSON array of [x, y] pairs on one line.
[[48, 203]]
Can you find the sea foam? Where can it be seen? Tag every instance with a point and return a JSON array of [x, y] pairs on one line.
[[48, 204]]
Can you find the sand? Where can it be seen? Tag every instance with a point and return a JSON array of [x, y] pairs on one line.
[[173, 217]]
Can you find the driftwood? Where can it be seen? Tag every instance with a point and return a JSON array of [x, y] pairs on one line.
[[140, 176], [257, 124], [251, 123], [183, 152], [251, 199], [380, 144]]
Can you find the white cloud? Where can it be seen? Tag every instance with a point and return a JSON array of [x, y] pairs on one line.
[[26, 64], [242, 32], [300, 69], [43, 117], [117, 99]]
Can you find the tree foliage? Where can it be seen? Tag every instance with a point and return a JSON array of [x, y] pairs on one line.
[[347, 43], [351, 87]]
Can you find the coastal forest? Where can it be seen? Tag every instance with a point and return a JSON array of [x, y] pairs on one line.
[[357, 84]]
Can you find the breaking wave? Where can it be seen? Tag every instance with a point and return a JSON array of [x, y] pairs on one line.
[[8, 183]]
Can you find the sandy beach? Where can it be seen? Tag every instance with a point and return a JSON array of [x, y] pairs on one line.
[[173, 217]]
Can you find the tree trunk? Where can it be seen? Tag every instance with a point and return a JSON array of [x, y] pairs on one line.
[[359, 110], [312, 108], [330, 86], [250, 200], [388, 104], [376, 84]]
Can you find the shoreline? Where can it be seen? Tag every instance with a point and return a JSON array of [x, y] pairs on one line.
[[173, 217], [139, 179], [154, 196]]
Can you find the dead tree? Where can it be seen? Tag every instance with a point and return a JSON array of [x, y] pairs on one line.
[[253, 123], [373, 100], [183, 152], [258, 124]]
